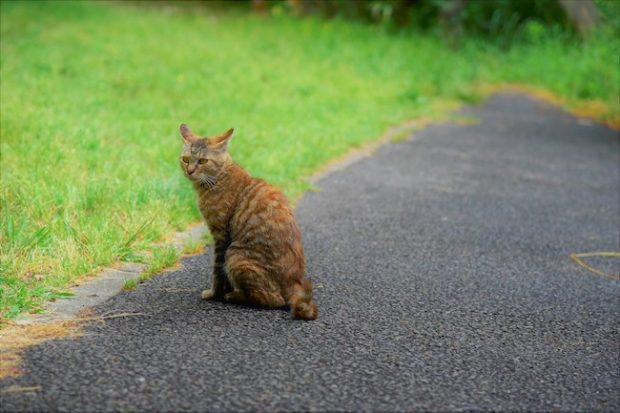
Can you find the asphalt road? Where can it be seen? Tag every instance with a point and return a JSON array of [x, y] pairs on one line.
[[443, 282]]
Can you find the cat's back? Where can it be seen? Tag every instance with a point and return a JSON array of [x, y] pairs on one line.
[[264, 227], [261, 206]]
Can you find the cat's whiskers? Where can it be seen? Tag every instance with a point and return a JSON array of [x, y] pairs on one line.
[[207, 181]]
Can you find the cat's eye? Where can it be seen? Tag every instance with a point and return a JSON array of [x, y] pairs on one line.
[[202, 161], [185, 159]]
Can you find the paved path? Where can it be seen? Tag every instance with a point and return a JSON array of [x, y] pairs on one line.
[[443, 279]]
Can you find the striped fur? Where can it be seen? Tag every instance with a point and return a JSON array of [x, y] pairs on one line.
[[259, 256]]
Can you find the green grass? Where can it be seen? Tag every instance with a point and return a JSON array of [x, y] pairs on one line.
[[161, 258], [130, 285], [191, 246], [92, 95]]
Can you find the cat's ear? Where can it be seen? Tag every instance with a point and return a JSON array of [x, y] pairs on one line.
[[187, 134], [220, 142]]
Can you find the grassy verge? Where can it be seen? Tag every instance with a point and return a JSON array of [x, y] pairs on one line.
[[92, 95], [162, 257]]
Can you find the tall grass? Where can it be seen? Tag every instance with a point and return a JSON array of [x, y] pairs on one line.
[[92, 95]]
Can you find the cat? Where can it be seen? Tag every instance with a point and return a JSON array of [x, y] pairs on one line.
[[259, 256]]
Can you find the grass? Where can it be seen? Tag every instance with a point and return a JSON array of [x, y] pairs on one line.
[[161, 258], [130, 285], [92, 95], [192, 246]]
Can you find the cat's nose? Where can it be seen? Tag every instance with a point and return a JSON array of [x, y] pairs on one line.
[[191, 169]]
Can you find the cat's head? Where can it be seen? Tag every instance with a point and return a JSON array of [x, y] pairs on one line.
[[203, 159]]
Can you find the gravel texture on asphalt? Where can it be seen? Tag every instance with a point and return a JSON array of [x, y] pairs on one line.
[[443, 280]]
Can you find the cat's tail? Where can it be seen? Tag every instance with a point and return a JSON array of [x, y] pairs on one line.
[[301, 302]]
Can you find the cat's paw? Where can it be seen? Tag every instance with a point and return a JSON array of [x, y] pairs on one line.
[[234, 297], [208, 294]]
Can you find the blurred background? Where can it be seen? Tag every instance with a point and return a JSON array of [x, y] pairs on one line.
[[500, 21], [92, 93]]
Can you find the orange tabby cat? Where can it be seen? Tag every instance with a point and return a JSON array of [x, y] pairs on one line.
[[259, 257]]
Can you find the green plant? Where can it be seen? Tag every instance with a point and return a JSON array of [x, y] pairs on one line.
[[130, 285], [192, 246], [160, 259]]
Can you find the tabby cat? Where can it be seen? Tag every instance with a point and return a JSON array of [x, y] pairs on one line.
[[259, 256]]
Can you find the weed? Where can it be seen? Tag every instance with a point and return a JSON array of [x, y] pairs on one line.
[[207, 238], [130, 285], [192, 246], [161, 258]]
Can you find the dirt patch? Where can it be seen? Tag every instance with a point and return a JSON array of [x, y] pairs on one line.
[[14, 339]]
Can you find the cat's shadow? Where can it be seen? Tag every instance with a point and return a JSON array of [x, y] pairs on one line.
[[219, 304]]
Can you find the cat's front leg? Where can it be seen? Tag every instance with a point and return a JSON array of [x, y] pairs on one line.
[[219, 283]]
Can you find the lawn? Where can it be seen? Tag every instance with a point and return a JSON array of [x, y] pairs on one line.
[[92, 95]]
